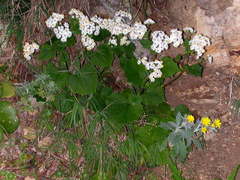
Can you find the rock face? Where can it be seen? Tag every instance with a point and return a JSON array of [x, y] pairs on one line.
[[219, 20]]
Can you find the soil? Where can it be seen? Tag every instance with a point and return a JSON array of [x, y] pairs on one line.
[[212, 95]]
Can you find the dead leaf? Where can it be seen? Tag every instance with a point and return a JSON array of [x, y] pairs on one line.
[[29, 178], [45, 142], [29, 133]]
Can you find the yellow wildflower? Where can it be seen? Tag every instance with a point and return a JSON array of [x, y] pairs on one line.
[[213, 125], [204, 130], [217, 123], [190, 118], [206, 121]]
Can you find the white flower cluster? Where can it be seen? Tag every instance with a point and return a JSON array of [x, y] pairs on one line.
[[149, 21], [29, 49], [124, 41], [119, 24], [155, 65], [87, 28], [113, 41], [198, 44], [176, 37], [160, 41], [53, 20], [88, 42], [137, 31], [62, 32]]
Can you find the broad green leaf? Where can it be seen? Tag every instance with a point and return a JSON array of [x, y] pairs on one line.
[[7, 90], [8, 118], [47, 52], [154, 96], [150, 135], [196, 69], [134, 72], [85, 82], [170, 68], [123, 113], [59, 77], [103, 57]]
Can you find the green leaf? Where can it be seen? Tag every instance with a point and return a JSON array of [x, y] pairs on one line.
[[170, 68], [196, 69], [234, 173], [7, 90], [64, 57], [149, 135], [85, 82], [74, 26], [59, 77], [134, 72], [103, 57], [146, 43], [182, 109], [123, 113], [1, 134], [8, 118], [47, 52], [153, 96], [102, 35], [123, 107]]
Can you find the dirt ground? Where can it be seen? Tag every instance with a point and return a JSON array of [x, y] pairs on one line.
[[212, 95]]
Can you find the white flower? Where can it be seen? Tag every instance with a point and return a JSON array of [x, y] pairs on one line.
[[160, 41], [122, 16], [124, 41], [62, 32], [188, 29], [137, 31], [154, 75], [176, 37], [29, 49], [155, 65], [149, 21], [112, 41], [52, 21], [198, 44], [88, 42]]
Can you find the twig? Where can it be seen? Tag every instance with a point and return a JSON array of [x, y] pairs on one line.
[[135, 16]]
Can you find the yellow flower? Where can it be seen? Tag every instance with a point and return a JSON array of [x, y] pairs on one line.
[[217, 123], [213, 125], [190, 118], [204, 130], [206, 121]]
